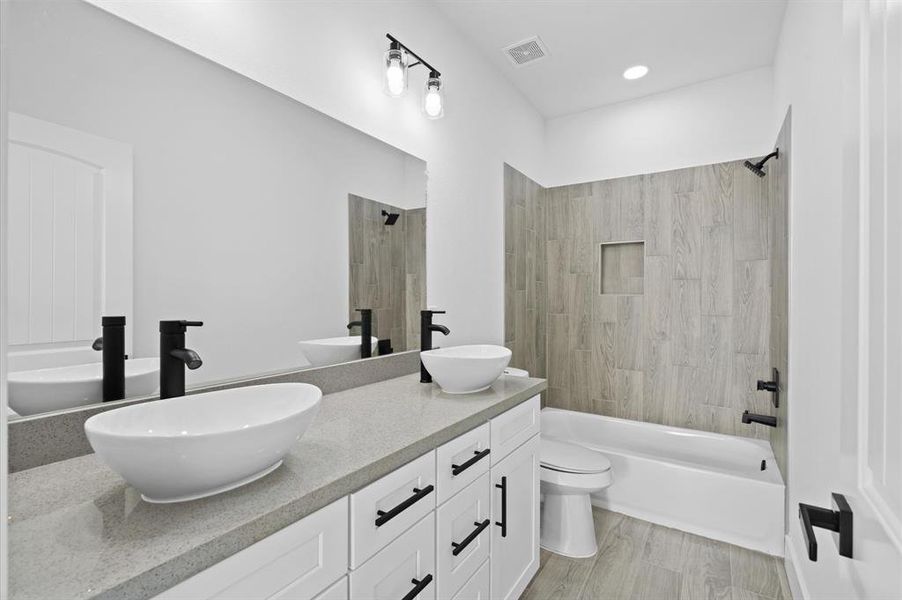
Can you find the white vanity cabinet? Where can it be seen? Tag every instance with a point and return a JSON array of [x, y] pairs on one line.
[[460, 522]]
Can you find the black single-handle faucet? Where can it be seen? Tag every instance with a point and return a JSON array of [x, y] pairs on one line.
[[426, 329], [366, 331], [768, 420], [112, 344], [174, 357]]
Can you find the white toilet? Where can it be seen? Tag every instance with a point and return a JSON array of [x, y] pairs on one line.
[[569, 474]]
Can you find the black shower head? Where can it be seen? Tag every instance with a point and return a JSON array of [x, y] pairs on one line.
[[758, 167], [390, 218]]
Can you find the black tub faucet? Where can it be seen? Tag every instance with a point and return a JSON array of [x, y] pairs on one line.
[[426, 329], [112, 344], [748, 417], [174, 357], [366, 331]]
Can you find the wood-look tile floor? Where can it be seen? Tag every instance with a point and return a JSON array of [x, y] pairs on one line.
[[638, 560]]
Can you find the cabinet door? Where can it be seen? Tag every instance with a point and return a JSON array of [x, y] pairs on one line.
[[295, 563], [463, 536], [403, 569], [478, 587], [515, 521]]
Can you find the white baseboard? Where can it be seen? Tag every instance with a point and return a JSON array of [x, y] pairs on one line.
[[796, 582]]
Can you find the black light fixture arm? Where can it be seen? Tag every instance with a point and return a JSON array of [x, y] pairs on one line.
[[397, 45]]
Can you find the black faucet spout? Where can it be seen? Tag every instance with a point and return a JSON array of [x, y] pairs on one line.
[[441, 329], [174, 357], [768, 420], [191, 358]]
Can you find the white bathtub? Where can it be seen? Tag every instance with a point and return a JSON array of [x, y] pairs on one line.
[[704, 483]]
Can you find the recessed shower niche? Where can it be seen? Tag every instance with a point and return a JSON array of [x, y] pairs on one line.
[[622, 267]]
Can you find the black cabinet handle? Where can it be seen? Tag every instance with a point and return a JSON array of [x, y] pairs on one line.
[[477, 456], [503, 522], [383, 517], [839, 520], [418, 586], [458, 548]]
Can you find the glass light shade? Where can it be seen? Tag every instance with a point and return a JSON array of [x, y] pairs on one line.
[[395, 65], [433, 100]]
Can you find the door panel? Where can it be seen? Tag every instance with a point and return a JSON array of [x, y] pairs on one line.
[[515, 547]]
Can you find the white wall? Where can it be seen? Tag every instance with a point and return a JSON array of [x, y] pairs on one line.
[[328, 55], [240, 194], [4, 87], [808, 76], [714, 121]]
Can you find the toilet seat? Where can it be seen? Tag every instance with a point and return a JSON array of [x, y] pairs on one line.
[[564, 457]]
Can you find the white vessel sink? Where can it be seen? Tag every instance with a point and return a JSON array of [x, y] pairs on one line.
[[42, 390], [195, 446], [466, 369], [331, 351]]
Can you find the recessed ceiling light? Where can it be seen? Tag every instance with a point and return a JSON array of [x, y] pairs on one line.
[[635, 72]]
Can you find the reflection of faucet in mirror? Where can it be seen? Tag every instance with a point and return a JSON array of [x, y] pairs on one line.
[[174, 357], [112, 344], [426, 329], [366, 331]]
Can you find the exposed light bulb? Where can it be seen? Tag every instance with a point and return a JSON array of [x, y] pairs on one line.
[[394, 77], [395, 72], [432, 101]]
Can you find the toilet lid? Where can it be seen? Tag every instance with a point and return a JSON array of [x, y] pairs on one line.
[[563, 456]]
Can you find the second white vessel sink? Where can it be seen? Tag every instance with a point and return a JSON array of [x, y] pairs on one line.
[[332, 351], [42, 390], [195, 446], [466, 369]]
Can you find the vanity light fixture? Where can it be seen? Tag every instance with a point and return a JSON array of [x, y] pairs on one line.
[[396, 63]]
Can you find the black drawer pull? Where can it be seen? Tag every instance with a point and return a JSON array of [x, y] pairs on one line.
[[419, 586], [503, 522], [458, 548], [477, 456], [383, 517]]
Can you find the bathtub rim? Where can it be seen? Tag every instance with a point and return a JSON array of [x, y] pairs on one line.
[[774, 475]]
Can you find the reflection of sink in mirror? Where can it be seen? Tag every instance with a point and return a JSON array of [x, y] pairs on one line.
[[466, 369], [42, 390], [195, 446], [331, 351]]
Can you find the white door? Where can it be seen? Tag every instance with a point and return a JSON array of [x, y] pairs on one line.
[[869, 449], [515, 519], [70, 241]]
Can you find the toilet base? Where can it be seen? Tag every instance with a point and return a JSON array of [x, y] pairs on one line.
[[567, 526]]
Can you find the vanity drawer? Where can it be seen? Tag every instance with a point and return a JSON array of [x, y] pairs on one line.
[[392, 572], [294, 563], [463, 525], [512, 428], [479, 586], [337, 591], [386, 508], [467, 456]]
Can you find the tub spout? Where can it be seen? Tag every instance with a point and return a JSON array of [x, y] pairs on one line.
[[748, 417]]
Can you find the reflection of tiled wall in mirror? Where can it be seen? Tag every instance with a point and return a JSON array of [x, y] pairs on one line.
[[387, 268]]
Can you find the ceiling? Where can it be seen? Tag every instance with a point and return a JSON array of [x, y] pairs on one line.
[[591, 42]]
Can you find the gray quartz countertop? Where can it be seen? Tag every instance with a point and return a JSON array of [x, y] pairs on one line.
[[77, 530]]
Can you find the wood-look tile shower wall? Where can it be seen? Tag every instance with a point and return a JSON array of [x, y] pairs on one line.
[[689, 349], [524, 271], [387, 269]]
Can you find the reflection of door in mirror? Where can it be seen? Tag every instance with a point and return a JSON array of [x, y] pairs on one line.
[[70, 241], [388, 268]]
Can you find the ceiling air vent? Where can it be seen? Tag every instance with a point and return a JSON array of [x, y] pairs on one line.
[[527, 51]]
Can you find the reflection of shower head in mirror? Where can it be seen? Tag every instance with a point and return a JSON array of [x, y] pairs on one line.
[[390, 218], [758, 167]]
